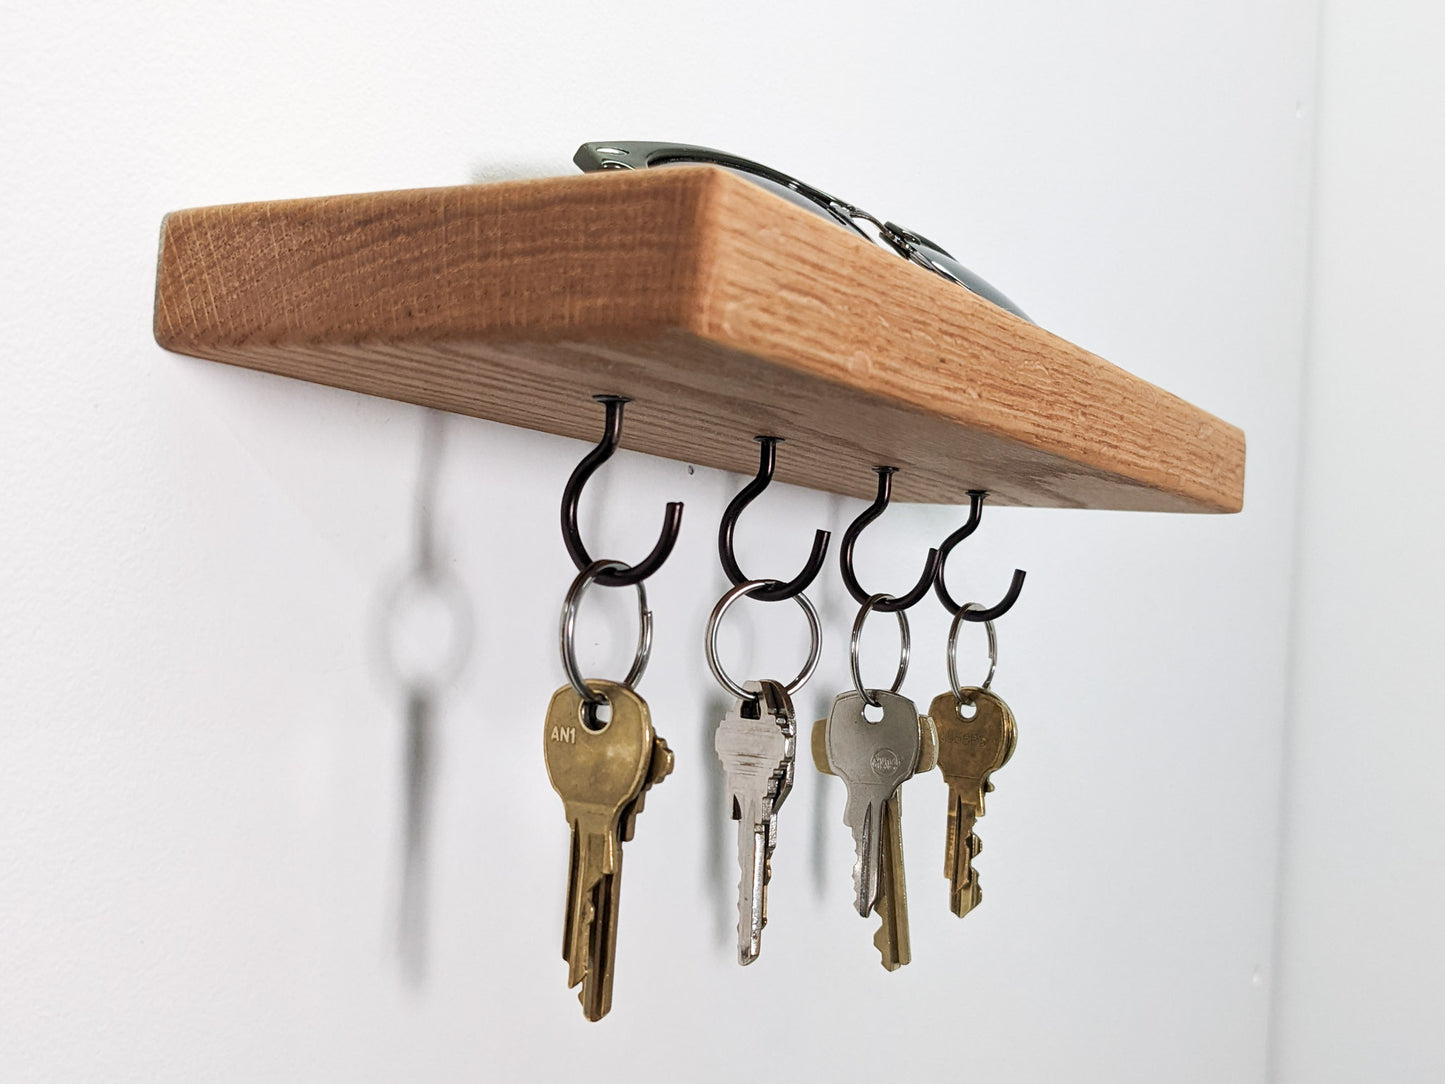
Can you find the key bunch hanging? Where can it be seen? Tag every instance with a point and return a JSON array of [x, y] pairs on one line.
[[603, 755]]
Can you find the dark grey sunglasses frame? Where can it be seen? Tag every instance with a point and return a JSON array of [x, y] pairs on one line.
[[914, 247]]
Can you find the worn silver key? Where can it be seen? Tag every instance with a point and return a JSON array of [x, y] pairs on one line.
[[969, 751], [601, 776], [756, 743], [873, 759]]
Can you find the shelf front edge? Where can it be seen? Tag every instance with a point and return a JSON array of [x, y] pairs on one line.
[[723, 310]]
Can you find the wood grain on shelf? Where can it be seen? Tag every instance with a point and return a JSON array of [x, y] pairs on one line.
[[723, 310]]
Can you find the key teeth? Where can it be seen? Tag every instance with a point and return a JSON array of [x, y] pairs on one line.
[[880, 942], [892, 936], [577, 964], [663, 760], [968, 895], [963, 846], [757, 792], [863, 905], [863, 899]]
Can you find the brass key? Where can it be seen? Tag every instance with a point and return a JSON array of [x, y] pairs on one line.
[[891, 904], [969, 751], [659, 768], [601, 775], [892, 938]]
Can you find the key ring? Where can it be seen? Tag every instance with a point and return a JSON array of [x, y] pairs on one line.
[[958, 620], [905, 647], [748, 587], [568, 631]]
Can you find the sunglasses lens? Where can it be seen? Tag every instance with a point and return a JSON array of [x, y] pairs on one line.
[[950, 268]]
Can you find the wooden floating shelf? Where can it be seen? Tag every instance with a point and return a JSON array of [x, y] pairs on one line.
[[721, 309]]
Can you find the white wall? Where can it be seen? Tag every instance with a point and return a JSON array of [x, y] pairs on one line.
[[1361, 946], [199, 766]]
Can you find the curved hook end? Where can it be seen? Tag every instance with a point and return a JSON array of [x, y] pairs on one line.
[[776, 590], [975, 613], [572, 494], [850, 538], [1004, 605]]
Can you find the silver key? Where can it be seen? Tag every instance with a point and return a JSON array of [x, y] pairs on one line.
[[756, 743], [873, 760]]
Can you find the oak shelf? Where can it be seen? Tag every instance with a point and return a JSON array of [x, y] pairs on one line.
[[722, 310]]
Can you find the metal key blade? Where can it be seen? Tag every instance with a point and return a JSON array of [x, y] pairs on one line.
[[598, 859], [965, 892], [866, 857], [756, 743], [570, 918], [601, 945], [596, 992], [752, 887], [892, 939], [873, 759]]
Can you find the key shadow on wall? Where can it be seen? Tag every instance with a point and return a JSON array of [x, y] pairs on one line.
[[420, 637], [720, 865]]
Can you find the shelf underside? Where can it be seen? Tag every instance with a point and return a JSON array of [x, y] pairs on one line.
[[722, 310]]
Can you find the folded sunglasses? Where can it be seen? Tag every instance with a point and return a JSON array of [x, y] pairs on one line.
[[914, 247]]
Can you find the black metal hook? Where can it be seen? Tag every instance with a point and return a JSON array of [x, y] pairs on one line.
[[850, 536], [993, 613], [776, 590], [671, 520]]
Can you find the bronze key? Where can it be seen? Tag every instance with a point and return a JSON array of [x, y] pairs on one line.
[[601, 773], [969, 751]]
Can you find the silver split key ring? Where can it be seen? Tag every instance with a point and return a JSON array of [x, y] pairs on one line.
[[568, 631], [953, 651], [747, 587], [905, 646]]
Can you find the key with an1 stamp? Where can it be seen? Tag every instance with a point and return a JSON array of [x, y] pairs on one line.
[[601, 775]]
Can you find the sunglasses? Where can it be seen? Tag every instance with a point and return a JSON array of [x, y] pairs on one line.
[[595, 157]]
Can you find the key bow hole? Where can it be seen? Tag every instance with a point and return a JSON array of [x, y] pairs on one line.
[[596, 716]]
